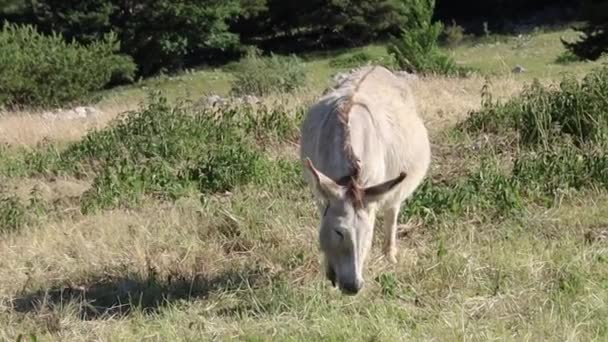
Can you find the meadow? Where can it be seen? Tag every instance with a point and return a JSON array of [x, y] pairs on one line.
[[162, 219]]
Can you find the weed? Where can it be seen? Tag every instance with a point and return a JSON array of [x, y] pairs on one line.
[[261, 76], [454, 34], [40, 70], [544, 115], [359, 59], [12, 214], [567, 57]]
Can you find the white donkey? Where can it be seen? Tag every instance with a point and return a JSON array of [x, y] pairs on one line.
[[364, 148]]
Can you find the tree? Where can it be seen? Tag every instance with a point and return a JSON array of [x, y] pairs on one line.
[[158, 34], [594, 40], [417, 47], [318, 23]]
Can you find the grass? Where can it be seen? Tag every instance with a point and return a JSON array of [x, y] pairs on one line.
[[538, 53], [505, 241]]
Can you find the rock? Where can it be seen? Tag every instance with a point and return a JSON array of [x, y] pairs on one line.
[[406, 75], [340, 77], [250, 99], [72, 114], [212, 100], [80, 112], [518, 69], [597, 234]]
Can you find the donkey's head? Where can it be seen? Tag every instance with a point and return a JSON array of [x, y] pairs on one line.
[[346, 228]]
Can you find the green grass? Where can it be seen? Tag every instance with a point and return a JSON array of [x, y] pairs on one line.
[[537, 52], [496, 56]]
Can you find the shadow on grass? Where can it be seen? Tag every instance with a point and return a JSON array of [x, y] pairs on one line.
[[106, 296]]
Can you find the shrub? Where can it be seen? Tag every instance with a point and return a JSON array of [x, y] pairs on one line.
[[487, 189], [562, 167], [593, 42], [261, 76], [42, 70], [168, 151], [359, 59], [158, 34], [317, 23], [494, 189], [417, 48], [567, 57], [453, 34], [545, 115], [12, 214]]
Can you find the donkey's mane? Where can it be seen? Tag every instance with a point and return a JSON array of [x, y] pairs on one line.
[[351, 181]]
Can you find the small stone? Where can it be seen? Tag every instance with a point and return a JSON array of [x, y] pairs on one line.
[[518, 69], [407, 75]]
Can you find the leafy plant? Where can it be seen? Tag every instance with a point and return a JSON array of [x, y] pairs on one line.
[[453, 34], [545, 115], [158, 34], [39, 70], [257, 75], [12, 214], [593, 42], [359, 59], [417, 48], [168, 151]]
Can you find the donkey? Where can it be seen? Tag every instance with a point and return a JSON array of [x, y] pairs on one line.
[[364, 149]]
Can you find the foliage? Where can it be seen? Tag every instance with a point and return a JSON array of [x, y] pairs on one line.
[[45, 70], [319, 23], [505, 16], [561, 133], [486, 189], [12, 214], [158, 34], [359, 59], [593, 42], [453, 34], [543, 115], [169, 151], [567, 57], [562, 167], [417, 48], [257, 75]]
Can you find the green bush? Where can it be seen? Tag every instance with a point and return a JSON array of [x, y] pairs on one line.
[[453, 34], [593, 42], [417, 48], [359, 59], [12, 214], [38, 70], [486, 189], [168, 151], [546, 115], [562, 167], [567, 57], [561, 132], [320, 23], [261, 76], [493, 189], [158, 34]]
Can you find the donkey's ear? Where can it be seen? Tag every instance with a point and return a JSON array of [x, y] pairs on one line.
[[374, 193], [323, 184]]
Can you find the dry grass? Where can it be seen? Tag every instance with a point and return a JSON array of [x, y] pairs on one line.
[[442, 102], [445, 101], [231, 267], [30, 128]]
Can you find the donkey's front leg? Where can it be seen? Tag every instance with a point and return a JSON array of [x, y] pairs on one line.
[[390, 234]]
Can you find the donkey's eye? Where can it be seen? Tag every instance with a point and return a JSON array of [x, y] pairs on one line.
[[340, 234]]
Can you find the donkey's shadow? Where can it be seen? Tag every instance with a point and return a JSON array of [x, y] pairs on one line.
[[107, 296]]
